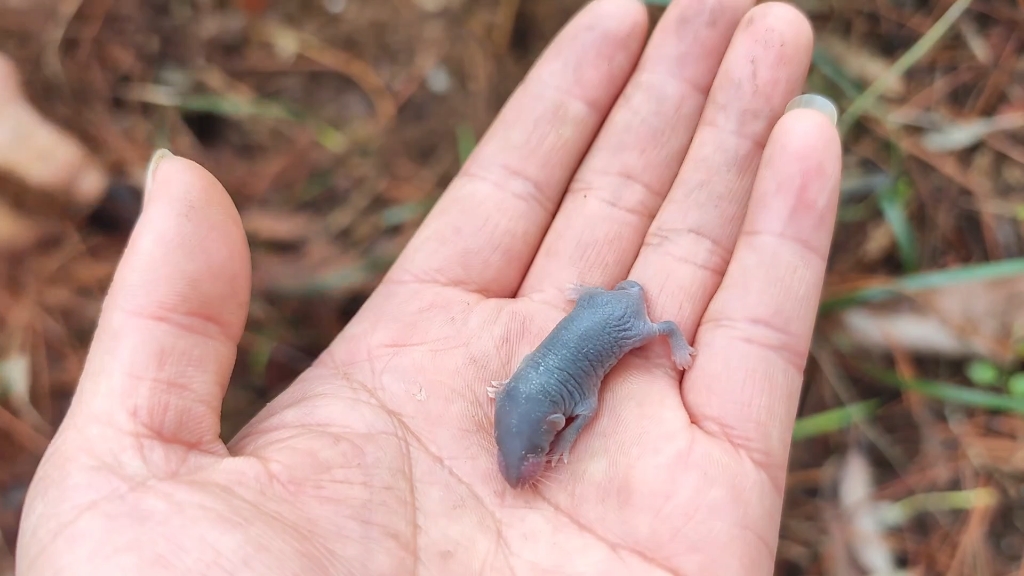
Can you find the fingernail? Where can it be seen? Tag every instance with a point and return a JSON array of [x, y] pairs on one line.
[[815, 102], [154, 162]]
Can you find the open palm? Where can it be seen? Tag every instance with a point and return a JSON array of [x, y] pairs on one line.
[[676, 168]]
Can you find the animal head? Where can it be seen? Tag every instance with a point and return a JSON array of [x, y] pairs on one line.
[[523, 444]]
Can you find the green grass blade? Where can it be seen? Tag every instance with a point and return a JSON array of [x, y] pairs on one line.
[[465, 140], [832, 420], [223, 105], [328, 136], [951, 393], [867, 99], [925, 281], [897, 513], [892, 201]]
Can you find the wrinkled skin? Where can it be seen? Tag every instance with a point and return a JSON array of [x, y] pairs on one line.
[[380, 459], [560, 380]]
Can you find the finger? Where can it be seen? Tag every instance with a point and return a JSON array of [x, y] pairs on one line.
[[757, 330], [165, 344], [622, 182], [485, 229], [691, 239]]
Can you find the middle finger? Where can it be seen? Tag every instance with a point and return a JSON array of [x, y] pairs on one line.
[[691, 240], [619, 186]]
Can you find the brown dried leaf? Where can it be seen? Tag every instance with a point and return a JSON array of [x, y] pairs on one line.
[[988, 314], [984, 318], [912, 331], [988, 452], [956, 136], [864, 528], [879, 242]]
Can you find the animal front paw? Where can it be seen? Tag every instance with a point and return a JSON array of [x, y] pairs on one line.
[[574, 290], [559, 454], [495, 387]]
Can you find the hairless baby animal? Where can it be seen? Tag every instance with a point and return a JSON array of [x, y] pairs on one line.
[[561, 378]]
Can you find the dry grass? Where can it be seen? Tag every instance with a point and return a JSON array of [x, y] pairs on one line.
[[354, 124]]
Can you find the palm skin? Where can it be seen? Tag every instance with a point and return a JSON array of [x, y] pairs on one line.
[[678, 171]]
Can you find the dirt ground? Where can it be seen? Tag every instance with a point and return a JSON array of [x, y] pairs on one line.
[[335, 123]]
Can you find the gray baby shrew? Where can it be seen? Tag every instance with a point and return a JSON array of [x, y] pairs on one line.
[[560, 380]]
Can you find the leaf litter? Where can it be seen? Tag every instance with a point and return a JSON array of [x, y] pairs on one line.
[[335, 126]]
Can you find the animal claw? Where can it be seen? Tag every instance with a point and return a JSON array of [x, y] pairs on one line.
[[563, 456]]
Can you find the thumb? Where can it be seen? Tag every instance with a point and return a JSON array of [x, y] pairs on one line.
[[166, 340]]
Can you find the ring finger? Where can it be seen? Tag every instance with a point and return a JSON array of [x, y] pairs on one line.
[[691, 240], [598, 230]]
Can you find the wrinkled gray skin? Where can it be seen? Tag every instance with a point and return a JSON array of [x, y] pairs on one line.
[[561, 378]]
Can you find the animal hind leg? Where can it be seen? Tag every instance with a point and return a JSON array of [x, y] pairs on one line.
[[682, 352]]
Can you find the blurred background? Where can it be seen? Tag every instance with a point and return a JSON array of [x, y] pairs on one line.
[[335, 124]]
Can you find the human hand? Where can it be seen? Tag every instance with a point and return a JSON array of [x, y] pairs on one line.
[[380, 458]]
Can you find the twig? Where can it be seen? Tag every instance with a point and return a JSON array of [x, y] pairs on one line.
[[848, 396], [506, 17], [66, 10], [867, 99], [1000, 76], [948, 166], [342, 62]]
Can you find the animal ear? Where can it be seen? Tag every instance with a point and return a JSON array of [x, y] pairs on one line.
[[555, 422]]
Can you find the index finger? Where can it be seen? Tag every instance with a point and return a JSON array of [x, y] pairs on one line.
[[483, 233]]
